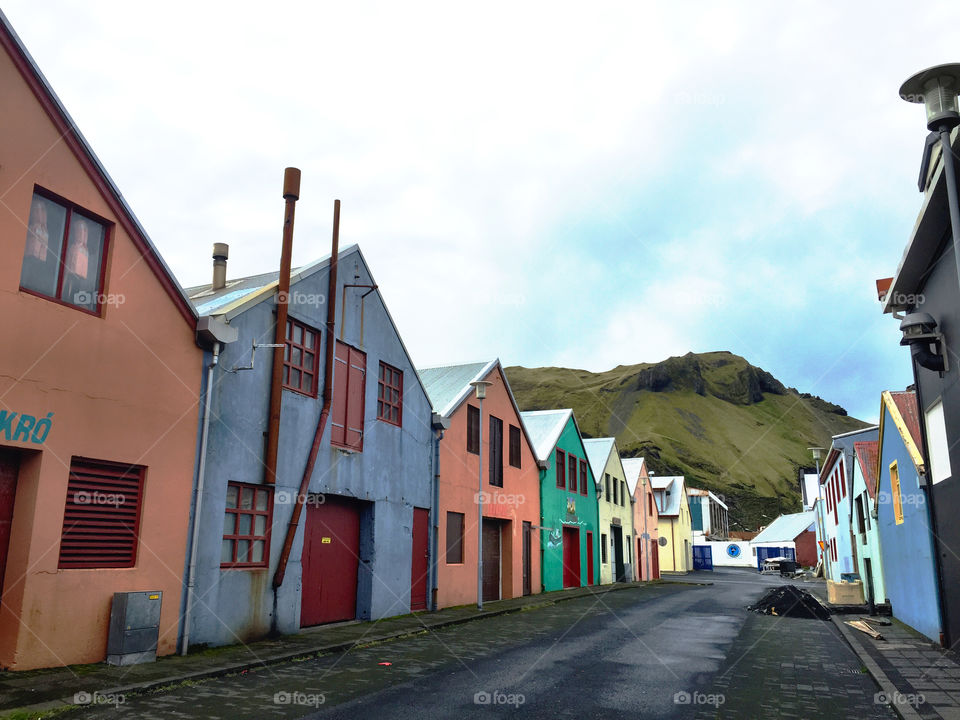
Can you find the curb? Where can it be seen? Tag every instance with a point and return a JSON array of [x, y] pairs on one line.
[[904, 710], [221, 670]]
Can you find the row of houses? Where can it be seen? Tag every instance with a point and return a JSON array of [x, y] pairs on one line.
[[261, 454]]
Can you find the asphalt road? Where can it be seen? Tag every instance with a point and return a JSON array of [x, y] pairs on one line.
[[651, 652]]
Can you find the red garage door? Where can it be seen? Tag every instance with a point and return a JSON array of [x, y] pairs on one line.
[[419, 559], [331, 558], [571, 557]]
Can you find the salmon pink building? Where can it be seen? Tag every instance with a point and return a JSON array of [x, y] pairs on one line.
[[510, 487], [99, 387], [646, 519]]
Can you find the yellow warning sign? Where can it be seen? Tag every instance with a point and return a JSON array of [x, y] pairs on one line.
[[154, 597], [326, 541]]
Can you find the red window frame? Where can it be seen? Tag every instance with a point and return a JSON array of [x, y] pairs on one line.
[[71, 210], [571, 473], [495, 443], [234, 514], [101, 519], [454, 545], [561, 461], [306, 370], [347, 416], [390, 395], [515, 440], [473, 429], [843, 480], [650, 503], [583, 477]]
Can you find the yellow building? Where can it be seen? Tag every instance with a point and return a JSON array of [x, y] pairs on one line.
[[615, 504], [676, 535]]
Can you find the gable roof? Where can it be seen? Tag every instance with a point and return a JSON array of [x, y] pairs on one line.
[[74, 139], [545, 427], [632, 467], [598, 452], [702, 492], [902, 407], [674, 485], [449, 385], [785, 528], [867, 453]]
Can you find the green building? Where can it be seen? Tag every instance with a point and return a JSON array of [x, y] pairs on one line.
[[568, 501]]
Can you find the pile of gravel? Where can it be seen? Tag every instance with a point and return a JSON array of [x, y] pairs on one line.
[[790, 601]]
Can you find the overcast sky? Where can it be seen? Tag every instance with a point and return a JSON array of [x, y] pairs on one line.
[[583, 185]]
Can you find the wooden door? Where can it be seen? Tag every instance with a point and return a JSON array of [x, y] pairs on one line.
[[571, 557], [491, 559], [639, 572], [589, 558], [419, 559], [9, 468], [655, 560], [618, 569], [331, 559], [527, 582]]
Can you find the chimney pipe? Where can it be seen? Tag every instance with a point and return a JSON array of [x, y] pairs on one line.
[[221, 251]]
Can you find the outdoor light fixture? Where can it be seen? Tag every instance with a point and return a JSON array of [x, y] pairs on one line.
[[920, 332], [480, 386], [937, 88]]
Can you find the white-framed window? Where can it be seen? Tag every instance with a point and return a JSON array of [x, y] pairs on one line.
[[937, 443]]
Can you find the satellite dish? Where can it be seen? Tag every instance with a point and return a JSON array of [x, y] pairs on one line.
[[662, 541]]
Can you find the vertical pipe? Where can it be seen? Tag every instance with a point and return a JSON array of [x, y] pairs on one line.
[[291, 193], [325, 407], [198, 505], [435, 520], [480, 511]]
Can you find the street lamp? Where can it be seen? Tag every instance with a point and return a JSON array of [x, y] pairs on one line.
[[817, 454], [481, 389]]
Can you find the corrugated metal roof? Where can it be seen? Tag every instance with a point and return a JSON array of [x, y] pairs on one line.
[[448, 385], [632, 468], [598, 452], [867, 457], [675, 486], [907, 405], [785, 528], [544, 428]]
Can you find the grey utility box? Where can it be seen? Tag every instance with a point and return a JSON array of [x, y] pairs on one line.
[[134, 627]]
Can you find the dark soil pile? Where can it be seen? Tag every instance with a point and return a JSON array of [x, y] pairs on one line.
[[790, 601]]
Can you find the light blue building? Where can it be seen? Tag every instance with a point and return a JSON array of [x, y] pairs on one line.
[[903, 517], [863, 521], [360, 549]]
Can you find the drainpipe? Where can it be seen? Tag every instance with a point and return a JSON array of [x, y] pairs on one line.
[[291, 193], [439, 424], [324, 409], [195, 532]]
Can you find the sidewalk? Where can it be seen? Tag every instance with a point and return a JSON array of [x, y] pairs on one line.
[[917, 677], [39, 691]]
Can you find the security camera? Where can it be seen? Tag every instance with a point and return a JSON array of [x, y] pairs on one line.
[[920, 332]]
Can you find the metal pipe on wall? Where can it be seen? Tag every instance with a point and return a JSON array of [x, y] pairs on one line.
[[291, 193], [325, 406]]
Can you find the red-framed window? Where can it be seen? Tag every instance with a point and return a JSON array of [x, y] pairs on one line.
[[561, 469], [454, 553], [63, 258], [496, 451], [515, 446], [347, 413], [473, 430], [843, 481], [246, 526], [650, 503], [390, 395], [101, 519], [301, 358], [583, 477], [571, 473]]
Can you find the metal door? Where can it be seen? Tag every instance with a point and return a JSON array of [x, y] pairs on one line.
[[571, 557], [491, 559], [9, 468], [618, 570], [331, 559], [702, 557], [419, 559]]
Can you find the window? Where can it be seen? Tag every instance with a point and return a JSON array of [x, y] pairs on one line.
[[843, 482], [101, 519], [473, 430], [63, 256], [623, 493], [614, 489], [454, 538], [895, 493], [650, 503], [514, 446], [628, 545], [246, 526], [937, 444], [603, 547], [390, 395], [346, 416], [861, 524], [496, 451], [606, 486], [571, 473], [561, 470], [866, 506], [583, 477], [301, 358]]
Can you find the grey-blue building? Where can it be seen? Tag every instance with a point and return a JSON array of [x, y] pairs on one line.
[[360, 549]]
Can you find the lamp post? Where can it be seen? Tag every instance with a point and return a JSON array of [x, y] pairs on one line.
[[480, 386], [817, 453]]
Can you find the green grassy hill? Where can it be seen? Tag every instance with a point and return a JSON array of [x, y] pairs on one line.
[[714, 418]]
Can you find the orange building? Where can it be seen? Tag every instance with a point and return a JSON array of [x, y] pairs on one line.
[[100, 377], [646, 519], [510, 482]]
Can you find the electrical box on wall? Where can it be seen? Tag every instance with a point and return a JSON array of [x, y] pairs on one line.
[[134, 627]]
